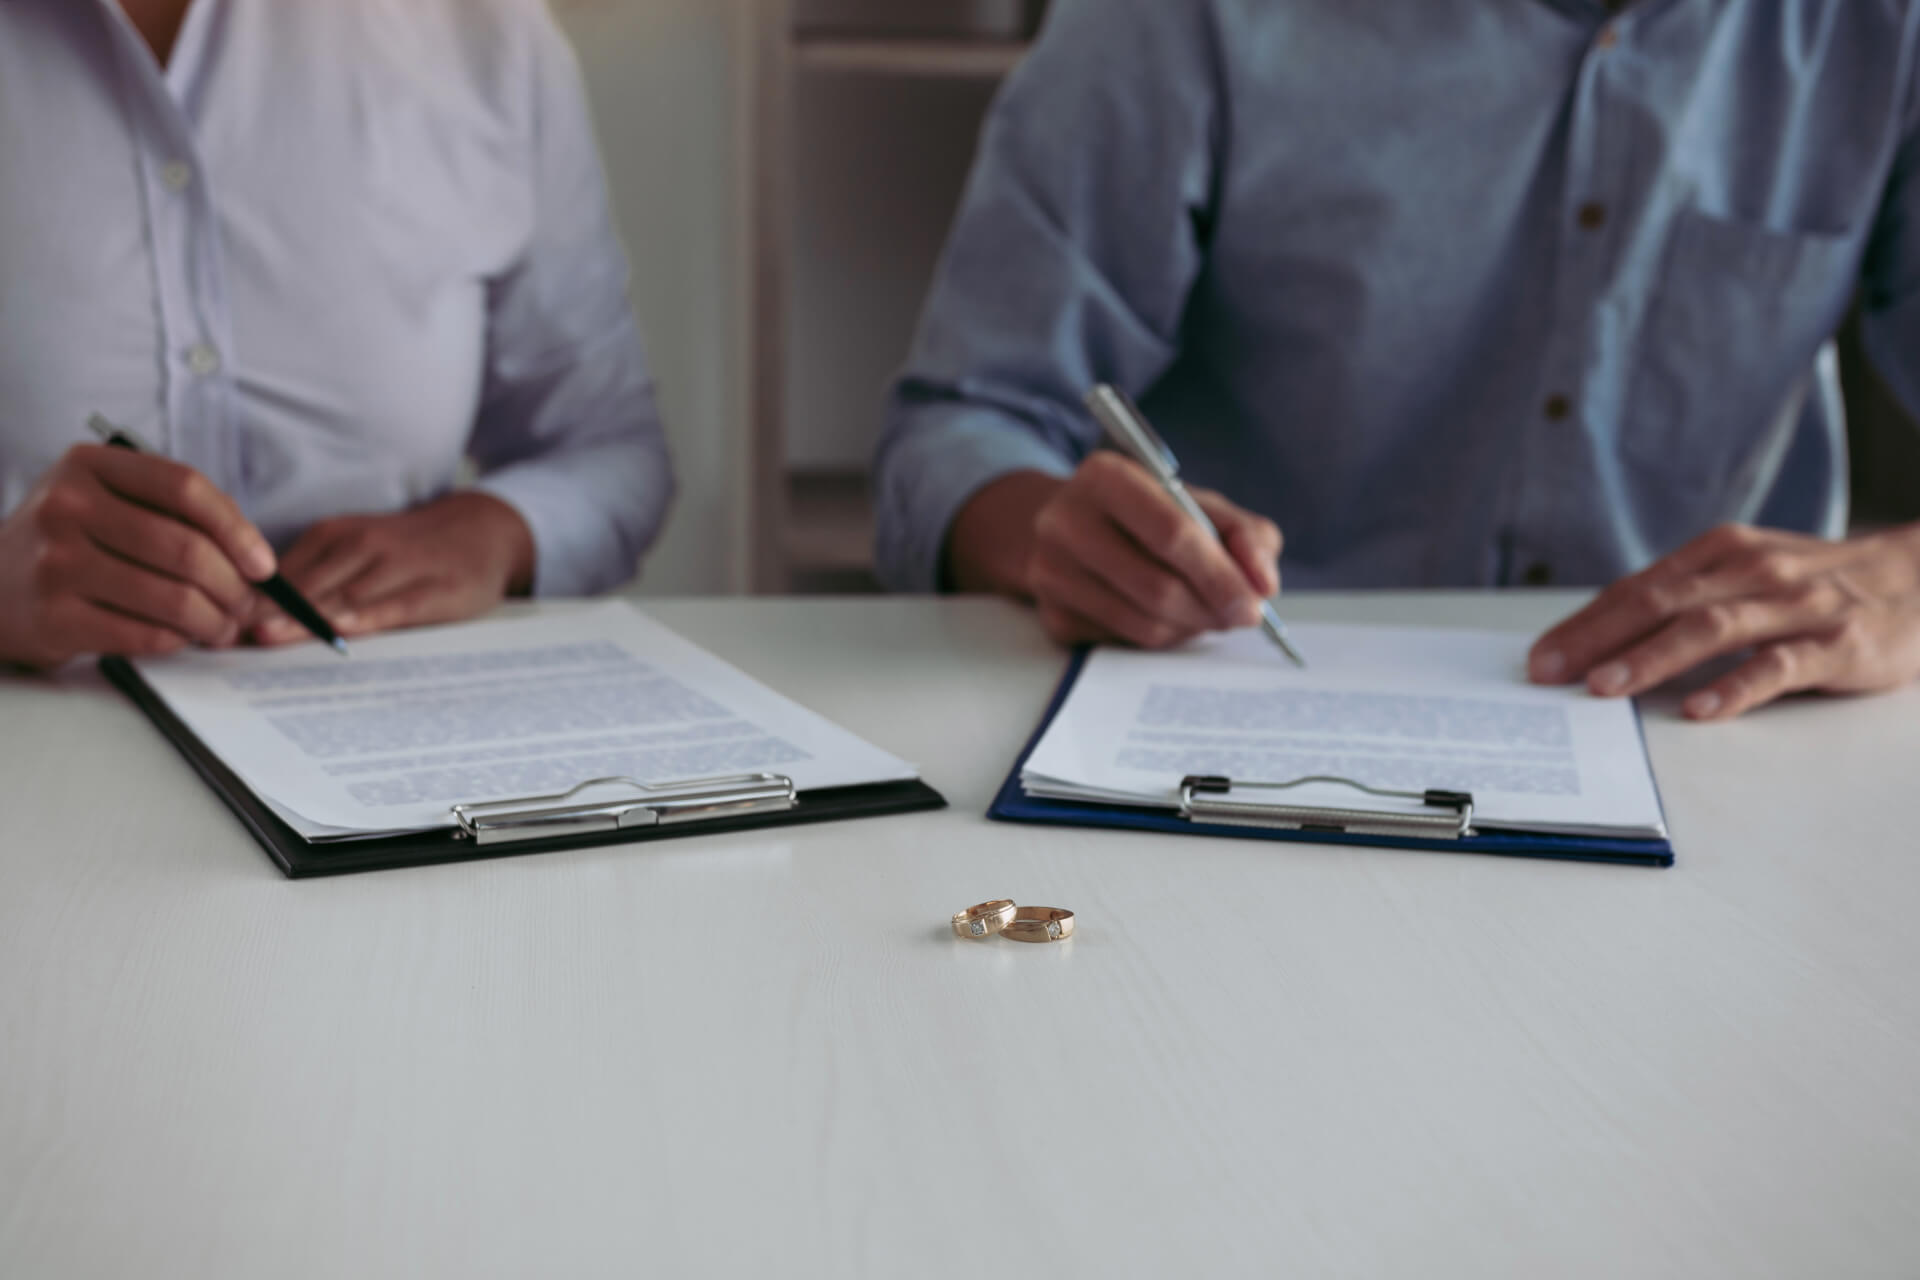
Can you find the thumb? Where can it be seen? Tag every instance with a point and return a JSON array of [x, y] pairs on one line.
[[1253, 540]]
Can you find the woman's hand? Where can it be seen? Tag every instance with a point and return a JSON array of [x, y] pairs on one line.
[[453, 558], [122, 552]]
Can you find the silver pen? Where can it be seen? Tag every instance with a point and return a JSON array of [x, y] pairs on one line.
[[1128, 428]]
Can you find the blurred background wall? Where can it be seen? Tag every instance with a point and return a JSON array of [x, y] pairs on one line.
[[665, 78]]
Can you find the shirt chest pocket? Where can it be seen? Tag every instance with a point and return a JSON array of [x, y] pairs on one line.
[[1738, 313]]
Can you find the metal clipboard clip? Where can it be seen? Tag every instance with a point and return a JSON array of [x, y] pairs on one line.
[[656, 804], [1208, 799]]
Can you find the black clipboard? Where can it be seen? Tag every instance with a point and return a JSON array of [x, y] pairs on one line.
[[299, 857], [1013, 804]]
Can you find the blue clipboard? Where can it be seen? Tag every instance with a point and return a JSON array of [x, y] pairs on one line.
[[1013, 804]]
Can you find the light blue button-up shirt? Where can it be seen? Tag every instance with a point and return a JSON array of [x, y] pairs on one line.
[[333, 246], [1458, 292]]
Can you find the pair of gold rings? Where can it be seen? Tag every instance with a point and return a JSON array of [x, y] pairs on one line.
[[1001, 918]]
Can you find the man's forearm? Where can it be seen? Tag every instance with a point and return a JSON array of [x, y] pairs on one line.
[[991, 539]]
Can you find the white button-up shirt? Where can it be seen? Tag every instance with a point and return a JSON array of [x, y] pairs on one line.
[[332, 247]]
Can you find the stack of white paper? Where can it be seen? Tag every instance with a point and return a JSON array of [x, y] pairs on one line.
[[1393, 707], [387, 741]]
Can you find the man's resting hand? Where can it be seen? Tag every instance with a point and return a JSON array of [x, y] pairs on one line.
[[1840, 617]]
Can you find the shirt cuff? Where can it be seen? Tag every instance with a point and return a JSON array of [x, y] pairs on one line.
[[578, 550], [941, 457]]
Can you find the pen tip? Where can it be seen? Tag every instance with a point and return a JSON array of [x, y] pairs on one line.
[[340, 647]]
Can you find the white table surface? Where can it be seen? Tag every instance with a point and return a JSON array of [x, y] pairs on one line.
[[763, 1054]]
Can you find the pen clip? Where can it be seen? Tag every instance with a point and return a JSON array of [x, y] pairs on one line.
[[1116, 411]]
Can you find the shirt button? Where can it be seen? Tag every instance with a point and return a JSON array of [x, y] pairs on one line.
[[1538, 574], [1558, 407], [1593, 215], [175, 175], [202, 360], [1607, 38]]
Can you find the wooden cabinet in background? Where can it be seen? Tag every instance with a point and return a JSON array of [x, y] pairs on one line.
[[864, 123]]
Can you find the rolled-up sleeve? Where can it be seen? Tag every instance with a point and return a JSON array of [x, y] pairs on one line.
[[1077, 243], [568, 431]]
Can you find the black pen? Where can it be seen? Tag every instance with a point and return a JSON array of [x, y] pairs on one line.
[[276, 588]]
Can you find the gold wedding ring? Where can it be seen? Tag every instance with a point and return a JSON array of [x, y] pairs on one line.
[[1039, 924], [984, 920]]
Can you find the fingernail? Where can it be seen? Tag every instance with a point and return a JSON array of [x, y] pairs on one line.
[[1549, 666], [1245, 614], [1611, 678], [347, 619], [1703, 704], [260, 562]]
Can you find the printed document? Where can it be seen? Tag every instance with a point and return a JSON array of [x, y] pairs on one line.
[[417, 721], [1394, 707]]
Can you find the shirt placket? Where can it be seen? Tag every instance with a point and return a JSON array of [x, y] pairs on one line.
[[1556, 450], [196, 340]]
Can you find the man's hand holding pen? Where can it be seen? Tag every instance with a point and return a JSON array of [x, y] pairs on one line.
[[1114, 558], [1123, 550], [1107, 555]]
